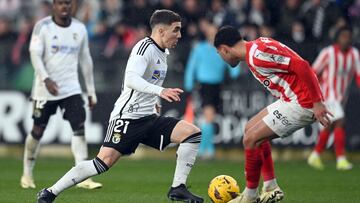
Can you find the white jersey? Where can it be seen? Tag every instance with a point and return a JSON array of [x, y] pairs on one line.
[[144, 75], [55, 53]]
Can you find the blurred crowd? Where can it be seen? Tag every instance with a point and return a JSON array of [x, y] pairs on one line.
[[114, 26]]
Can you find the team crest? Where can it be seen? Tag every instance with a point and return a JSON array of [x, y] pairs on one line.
[[75, 36], [156, 75], [116, 138]]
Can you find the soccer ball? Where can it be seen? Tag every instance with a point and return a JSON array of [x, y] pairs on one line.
[[222, 189]]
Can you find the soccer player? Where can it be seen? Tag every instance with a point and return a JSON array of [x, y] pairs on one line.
[[58, 44], [134, 119], [288, 77], [335, 66]]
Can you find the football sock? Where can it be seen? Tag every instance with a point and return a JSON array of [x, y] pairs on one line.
[[253, 162], [270, 184], [79, 148], [78, 173], [252, 193], [267, 168], [207, 145], [322, 141], [339, 141], [186, 156], [30, 153]]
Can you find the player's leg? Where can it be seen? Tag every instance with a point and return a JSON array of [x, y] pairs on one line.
[[74, 112], [339, 144], [41, 113], [207, 149], [170, 130], [314, 159], [115, 145]]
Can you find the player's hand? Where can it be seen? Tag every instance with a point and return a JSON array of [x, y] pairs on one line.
[[322, 114], [92, 101], [51, 86], [171, 94]]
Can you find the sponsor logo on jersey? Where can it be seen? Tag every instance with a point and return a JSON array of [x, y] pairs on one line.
[[283, 119], [116, 138], [158, 75], [266, 83], [64, 49], [54, 49]]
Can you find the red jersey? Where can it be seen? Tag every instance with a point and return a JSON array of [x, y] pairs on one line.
[[283, 72], [336, 70]]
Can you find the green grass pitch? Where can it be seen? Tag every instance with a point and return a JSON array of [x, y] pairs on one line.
[[147, 181]]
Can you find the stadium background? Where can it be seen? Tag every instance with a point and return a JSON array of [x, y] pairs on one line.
[[115, 25]]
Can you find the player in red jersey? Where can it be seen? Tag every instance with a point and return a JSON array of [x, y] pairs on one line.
[[336, 65], [288, 77]]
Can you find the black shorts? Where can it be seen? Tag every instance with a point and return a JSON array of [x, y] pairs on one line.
[[210, 95], [73, 108], [125, 135]]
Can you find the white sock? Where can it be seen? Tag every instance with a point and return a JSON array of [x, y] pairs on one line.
[[31, 151], [78, 173], [315, 154], [340, 158], [251, 193], [79, 148], [186, 156], [270, 184]]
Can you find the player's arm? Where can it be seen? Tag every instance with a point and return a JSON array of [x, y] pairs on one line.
[[87, 67], [303, 70], [135, 70], [321, 61], [36, 49]]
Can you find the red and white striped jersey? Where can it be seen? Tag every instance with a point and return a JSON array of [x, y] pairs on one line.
[[336, 70], [273, 64]]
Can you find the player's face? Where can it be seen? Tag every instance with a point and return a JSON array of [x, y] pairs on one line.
[[171, 35], [344, 39], [226, 55], [62, 8]]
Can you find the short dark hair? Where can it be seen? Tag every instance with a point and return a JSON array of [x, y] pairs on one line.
[[340, 30], [164, 16], [227, 35]]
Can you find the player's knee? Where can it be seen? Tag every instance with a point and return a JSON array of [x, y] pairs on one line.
[[248, 141], [78, 127], [193, 138], [37, 132]]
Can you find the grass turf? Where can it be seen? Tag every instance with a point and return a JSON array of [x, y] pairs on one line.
[[140, 181]]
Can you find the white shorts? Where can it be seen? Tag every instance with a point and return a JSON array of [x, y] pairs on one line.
[[284, 118]]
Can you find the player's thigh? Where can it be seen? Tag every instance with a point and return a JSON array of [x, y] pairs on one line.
[[42, 110], [258, 133], [108, 155], [74, 111], [124, 135], [284, 118], [255, 119]]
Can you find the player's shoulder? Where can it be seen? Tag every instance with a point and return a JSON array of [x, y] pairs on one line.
[[42, 23], [144, 47], [78, 23]]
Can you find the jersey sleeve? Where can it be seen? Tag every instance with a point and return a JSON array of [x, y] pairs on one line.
[[37, 47], [269, 58], [321, 61], [86, 64], [135, 70]]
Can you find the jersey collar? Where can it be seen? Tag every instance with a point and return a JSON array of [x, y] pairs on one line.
[[161, 49]]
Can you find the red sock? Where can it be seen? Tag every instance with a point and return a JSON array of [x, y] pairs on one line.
[[339, 141], [323, 139], [253, 162], [267, 168]]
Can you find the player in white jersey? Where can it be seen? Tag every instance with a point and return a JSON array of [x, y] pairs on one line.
[[58, 44], [336, 66], [135, 118]]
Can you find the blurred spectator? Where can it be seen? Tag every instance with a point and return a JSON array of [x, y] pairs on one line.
[[258, 14], [354, 15], [111, 12], [88, 13], [249, 31], [168, 4], [300, 42], [191, 12], [137, 13], [7, 40], [206, 67], [238, 7], [220, 15], [10, 8], [289, 12], [319, 16]]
